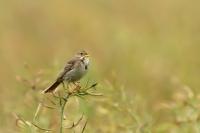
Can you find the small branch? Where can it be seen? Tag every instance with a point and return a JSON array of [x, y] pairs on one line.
[[54, 95], [84, 126], [37, 111], [61, 114], [94, 94], [47, 106], [44, 129], [75, 124], [62, 108], [51, 101], [86, 84], [19, 118], [92, 86]]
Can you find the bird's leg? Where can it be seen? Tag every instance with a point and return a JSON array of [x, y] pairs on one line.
[[63, 85], [70, 88], [77, 86], [66, 87], [76, 83]]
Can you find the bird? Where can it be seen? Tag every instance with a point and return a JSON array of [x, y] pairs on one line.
[[73, 71]]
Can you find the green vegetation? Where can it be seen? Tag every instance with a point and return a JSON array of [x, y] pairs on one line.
[[145, 59]]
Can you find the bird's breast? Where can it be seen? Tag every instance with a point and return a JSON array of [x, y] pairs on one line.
[[77, 73]]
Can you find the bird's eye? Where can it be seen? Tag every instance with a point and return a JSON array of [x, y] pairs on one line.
[[81, 53]]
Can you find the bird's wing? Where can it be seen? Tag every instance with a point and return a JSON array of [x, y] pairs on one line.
[[69, 66]]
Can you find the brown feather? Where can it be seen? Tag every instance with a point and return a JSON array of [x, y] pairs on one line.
[[69, 66], [52, 87]]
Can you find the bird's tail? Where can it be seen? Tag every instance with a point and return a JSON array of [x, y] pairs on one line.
[[52, 87]]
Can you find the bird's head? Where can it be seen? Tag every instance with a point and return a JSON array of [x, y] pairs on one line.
[[83, 55]]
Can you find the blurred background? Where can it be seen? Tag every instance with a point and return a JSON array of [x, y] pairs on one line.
[[142, 52]]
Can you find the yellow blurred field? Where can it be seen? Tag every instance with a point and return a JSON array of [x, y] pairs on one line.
[[145, 58]]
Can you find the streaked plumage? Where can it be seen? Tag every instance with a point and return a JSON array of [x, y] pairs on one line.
[[73, 71]]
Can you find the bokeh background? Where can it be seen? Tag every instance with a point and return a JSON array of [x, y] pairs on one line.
[[145, 57]]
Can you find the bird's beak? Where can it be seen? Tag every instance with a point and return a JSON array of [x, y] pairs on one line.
[[87, 55]]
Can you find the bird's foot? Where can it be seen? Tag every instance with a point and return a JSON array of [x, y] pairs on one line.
[[77, 86]]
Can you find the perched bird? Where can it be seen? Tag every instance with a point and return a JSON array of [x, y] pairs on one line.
[[73, 71]]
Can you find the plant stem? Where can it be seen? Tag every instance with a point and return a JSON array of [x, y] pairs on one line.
[[62, 108], [61, 116]]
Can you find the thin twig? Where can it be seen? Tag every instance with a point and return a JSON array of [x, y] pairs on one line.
[[86, 84], [47, 106], [37, 111], [44, 129], [62, 107], [61, 114], [94, 94], [51, 101], [19, 118], [75, 124], [84, 126], [92, 86], [55, 96]]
